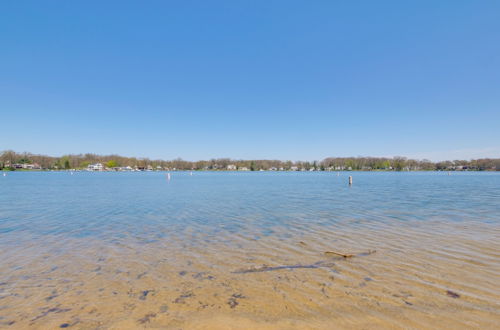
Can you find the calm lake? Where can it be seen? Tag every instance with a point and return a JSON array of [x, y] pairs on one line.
[[221, 250]]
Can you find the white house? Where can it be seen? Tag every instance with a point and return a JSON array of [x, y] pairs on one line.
[[231, 167], [34, 166], [95, 167]]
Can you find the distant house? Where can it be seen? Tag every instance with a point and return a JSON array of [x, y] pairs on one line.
[[243, 168], [95, 167], [294, 168], [231, 167], [34, 166]]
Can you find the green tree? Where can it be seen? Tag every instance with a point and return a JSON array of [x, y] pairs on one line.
[[111, 164]]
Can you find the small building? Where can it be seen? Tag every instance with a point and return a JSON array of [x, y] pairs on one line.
[[243, 168], [231, 167]]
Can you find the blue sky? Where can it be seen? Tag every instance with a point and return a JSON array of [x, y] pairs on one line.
[[251, 79]]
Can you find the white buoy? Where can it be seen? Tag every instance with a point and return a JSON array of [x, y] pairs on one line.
[[5, 174], [350, 180], [191, 173]]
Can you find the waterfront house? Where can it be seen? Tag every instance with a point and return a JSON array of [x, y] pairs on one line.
[[34, 166], [231, 167], [95, 167]]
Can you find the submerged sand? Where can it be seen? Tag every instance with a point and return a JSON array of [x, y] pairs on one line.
[[423, 275]]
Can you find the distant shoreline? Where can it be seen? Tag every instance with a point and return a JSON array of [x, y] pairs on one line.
[[236, 171], [11, 160]]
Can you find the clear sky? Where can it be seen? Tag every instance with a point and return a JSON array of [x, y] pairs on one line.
[[297, 80]]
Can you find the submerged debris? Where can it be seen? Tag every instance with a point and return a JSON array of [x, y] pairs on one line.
[[346, 255], [340, 254], [144, 294], [452, 294], [147, 318], [233, 300], [203, 276], [319, 264], [181, 299], [51, 310]]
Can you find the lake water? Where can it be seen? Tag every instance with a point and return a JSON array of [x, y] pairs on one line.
[[221, 250]]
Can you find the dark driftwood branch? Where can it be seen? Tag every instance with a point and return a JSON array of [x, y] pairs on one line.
[[340, 254], [319, 264], [362, 254]]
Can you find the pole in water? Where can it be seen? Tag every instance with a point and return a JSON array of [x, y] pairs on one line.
[[350, 180], [168, 176], [191, 173]]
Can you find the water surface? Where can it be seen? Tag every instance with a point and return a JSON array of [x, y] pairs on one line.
[[239, 250]]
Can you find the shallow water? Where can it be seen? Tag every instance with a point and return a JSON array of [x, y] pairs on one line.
[[229, 250]]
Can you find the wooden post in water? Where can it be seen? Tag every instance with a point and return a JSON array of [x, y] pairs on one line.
[[350, 180]]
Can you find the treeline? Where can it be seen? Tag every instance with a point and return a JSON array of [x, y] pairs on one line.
[[10, 160]]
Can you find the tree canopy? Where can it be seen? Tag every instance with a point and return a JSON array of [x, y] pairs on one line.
[[8, 158]]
